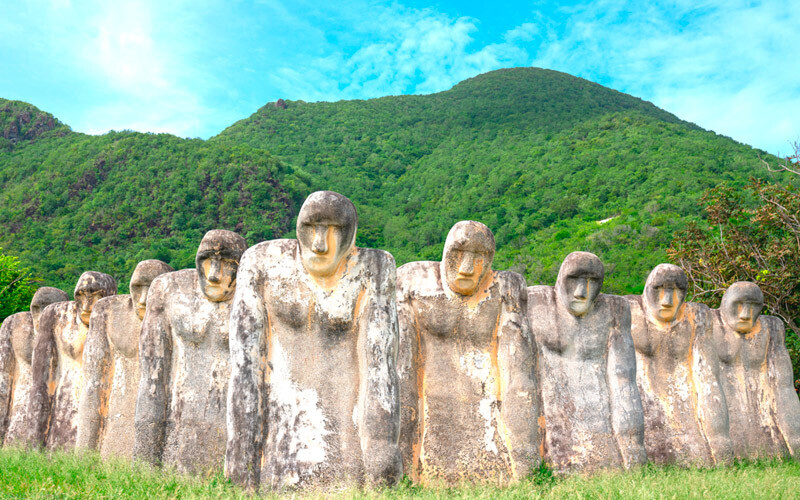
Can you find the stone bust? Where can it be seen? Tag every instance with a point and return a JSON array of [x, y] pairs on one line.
[[467, 366], [313, 350]]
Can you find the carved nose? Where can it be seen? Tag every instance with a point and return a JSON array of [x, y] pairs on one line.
[[213, 272], [666, 300], [581, 289], [744, 314], [143, 298], [320, 243], [467, 267]]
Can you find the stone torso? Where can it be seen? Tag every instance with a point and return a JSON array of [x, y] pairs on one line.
[[573, 376], [745, 382], [195, 437], [667, 386], [18, 332], [70, 335], [458, 383], [313, 345]]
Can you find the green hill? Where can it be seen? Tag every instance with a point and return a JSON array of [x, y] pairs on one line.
[[542, 157]]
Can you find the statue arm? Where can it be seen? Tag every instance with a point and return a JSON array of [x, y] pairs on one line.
[[97, 378], [379, 396], [516, 361], [247, 392], [712, 409], [787, 404], [627, 416], [409, 363], [155, 370], [7, 367], [44, 362]]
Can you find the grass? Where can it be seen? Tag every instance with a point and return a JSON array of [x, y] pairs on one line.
[[37, 475]]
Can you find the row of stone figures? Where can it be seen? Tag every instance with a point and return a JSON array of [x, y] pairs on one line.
[[312, 362]]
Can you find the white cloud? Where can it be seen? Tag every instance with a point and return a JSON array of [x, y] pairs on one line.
[[729, 66]]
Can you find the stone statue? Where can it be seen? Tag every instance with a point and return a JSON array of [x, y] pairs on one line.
[[111, 366], [184, 359], [313, 397], [57, 362], [467, 366], [587, 370], [763, 408], [16, 347], [677, 371]]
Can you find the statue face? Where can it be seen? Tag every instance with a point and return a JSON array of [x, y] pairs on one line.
[[92, 286], [217, 276], [741, 306], [36, 313], [43, 297], [86, 300], [665, 291], [326, 228], [579, 281], [468, 255], [144, 274]]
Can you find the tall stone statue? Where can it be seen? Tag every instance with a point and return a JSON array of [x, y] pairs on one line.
[[16, 347], [184, 359], [111, 366], [467, 366], [587, 366], [677, 371], [763, 408], [57, 362], [313, 398]]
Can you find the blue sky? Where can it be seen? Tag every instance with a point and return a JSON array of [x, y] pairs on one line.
[[194, 67]]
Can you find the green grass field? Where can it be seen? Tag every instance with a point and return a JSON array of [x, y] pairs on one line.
[[65, 476]]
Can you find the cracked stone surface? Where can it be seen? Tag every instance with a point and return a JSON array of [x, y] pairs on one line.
[[57, 362], [184, 360], [313, 398], [592, 410], [677, 371], [467, 366], [111, 367], [756, 376]]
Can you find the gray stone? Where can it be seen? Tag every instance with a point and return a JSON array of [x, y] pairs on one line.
[[467, 366], [756, 376], [184, 359], [16, 348], [677, 371], [592, 411], [57, 362], [313, 399], [111, 367]]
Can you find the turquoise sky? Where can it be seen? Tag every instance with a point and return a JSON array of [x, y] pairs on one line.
[[193, 68]]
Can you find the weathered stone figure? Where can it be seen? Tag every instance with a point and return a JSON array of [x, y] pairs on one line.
[[677, 371], [313, 399], [57, 362], [587, 366], [467, 365], [16, 347], [184, 359], [763, 408], [111, 366]]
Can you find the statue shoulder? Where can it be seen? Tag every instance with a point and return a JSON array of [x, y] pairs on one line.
[[15, 322], [541, 296], [419, 277], [512, 286]]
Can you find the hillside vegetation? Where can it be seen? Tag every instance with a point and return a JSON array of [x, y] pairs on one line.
[[542, 157]]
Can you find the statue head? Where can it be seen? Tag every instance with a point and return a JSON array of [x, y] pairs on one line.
[[144, 274], [467, 257], [217, 261], [326, 232], [43, 297], [579, 281], [665, 291], [741, 306], [92, 286]]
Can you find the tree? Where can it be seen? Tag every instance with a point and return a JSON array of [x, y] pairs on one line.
[[17, 286], [752, 234]]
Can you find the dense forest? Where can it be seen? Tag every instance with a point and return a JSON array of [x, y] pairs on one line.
[[551, 162]]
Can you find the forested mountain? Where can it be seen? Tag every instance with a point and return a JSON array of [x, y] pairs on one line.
[[542, 157]]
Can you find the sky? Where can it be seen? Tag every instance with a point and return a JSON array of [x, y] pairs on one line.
[[192, 68]]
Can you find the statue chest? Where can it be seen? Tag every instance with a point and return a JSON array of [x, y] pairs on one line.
[[445, 317], [303, 307], [206, 322]]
